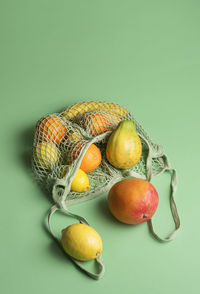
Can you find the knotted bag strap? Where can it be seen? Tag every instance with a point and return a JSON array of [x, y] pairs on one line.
[[99, 260], [173, 186]]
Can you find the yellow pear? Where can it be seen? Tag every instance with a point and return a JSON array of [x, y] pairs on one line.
[[124, 147]]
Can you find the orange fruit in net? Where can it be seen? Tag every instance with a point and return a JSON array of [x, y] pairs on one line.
[[99, 123], [51, 128], [91, 159]]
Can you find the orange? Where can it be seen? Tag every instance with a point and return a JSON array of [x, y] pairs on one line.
[[91, 159], [99, 123], [51, 128]]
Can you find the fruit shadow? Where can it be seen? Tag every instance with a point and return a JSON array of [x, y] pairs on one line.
[[103, 209], [25, 148], [61, 256], [26, 138]]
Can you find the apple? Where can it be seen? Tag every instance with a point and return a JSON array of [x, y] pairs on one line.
[[133, 201]]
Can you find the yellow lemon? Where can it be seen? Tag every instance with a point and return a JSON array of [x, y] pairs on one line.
[[81, 242], [73, 137], [45, 154], [80, 182]]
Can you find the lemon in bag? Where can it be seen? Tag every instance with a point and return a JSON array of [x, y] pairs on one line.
[[45, 154], [80, 182]]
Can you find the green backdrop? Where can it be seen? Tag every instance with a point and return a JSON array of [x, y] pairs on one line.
[[141, 54]]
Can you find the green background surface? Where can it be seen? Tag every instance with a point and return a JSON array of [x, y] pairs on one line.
[[141, 54]]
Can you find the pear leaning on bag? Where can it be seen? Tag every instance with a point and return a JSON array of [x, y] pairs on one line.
[[124, 147]]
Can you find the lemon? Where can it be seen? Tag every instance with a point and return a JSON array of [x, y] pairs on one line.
[[81, 242], [45, 154], [73, 137], [80, 182]]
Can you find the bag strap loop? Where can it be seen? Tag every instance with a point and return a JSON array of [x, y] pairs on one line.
[[174, 211], [173, 186]]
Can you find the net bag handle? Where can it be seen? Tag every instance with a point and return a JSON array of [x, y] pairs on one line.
[[60, 191], [99, 259], [173, 186]]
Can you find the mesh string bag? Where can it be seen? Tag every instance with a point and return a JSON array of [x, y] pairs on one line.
[[60, 143]]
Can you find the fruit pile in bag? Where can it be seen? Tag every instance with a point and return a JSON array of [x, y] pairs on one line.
[[90, 148], [60, 137]]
